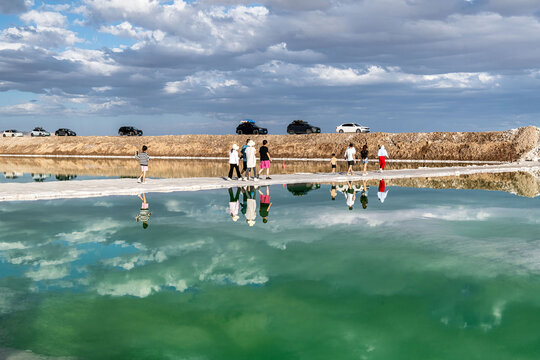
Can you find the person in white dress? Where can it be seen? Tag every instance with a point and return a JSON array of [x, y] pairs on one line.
[[251, 160]]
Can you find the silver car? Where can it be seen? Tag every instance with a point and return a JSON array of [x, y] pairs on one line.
[[39, 131]]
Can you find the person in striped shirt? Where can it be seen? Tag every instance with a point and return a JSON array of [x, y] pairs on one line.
[[143, 160]]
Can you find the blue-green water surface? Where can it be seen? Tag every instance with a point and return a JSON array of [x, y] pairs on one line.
[[426, 274]]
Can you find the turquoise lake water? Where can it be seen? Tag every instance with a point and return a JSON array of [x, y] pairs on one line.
[[426, 274]]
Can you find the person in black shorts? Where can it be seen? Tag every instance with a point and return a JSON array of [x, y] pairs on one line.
[[265, 159], [350, 156]]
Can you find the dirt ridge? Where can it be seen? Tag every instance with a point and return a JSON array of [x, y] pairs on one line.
[[511, 145]]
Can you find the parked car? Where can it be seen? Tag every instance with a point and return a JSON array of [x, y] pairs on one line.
[[12, 175], [39, 131], [248, 126], [129, 131], [40, 177], [61, 177], [302, 127], [302, 189], [12, 133], [352, 127], [64, 132]]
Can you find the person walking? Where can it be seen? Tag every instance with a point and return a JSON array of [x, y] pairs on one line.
[[244, 158], [143, 160], [350, 156], [264, 159], [364, 157], [233, 162], [382, 154], [251, 160]]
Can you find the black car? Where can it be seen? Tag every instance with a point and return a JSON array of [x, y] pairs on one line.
[[61, 177], [302, 127], [64, 132], [129, 131], [249, 127], [302, 189]]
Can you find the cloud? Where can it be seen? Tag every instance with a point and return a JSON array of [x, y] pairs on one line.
[[211, 81], [47, 37], [44, 18], [14, 6], [137, 288], [95, 232], [48, 273], [325, 75], [11, 246], [398, 217]]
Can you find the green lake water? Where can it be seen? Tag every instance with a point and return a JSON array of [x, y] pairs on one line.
[[426, 274]]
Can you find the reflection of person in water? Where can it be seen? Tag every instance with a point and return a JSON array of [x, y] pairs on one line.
[[333, 191], [144, 213], [251, 208], [234, 204], [382, 191], [350, 195], [265, 204], [363, 196]]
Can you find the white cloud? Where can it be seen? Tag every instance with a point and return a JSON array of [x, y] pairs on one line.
[[325, 75], [398, 217], [125, 29], [138, 288], [128, 263], [39, 36], [96, 232], [48, 273], [30, 108], [44, 18], [11, 246], [211, 81], [91, 61]]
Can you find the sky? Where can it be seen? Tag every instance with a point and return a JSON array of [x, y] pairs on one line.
[[192, 67]]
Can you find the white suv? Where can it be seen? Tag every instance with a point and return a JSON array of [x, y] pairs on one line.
[[39, 131], [352, 127]]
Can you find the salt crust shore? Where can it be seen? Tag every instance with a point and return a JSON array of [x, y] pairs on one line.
[[129, 187], [226, 158]]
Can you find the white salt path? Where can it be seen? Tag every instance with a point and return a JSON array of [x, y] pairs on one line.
[[116, 187]]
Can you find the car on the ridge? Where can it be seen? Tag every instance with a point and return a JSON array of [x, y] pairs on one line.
[[39, 131], [302, 127], [352, 128], [249, 127], [64, 132], [129, 131], [12, 133]]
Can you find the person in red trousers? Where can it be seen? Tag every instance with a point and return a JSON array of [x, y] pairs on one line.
[[382, 154]]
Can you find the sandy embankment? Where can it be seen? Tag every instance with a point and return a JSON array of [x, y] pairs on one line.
[[508, 145]]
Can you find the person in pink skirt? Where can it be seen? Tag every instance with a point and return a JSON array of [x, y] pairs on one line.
[[264, 159]]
